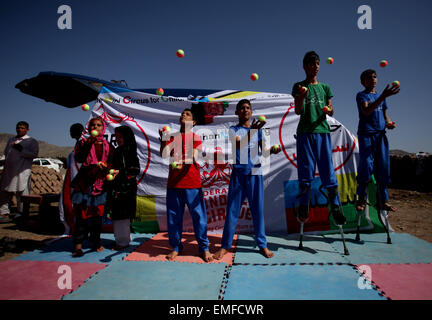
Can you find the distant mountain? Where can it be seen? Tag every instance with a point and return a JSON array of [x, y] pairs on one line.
[[401, 153], [46, 150]]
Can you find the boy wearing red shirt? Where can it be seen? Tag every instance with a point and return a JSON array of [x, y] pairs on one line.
[[184, 186]]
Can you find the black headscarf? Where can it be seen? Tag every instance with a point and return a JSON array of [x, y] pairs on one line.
[[125, 156]]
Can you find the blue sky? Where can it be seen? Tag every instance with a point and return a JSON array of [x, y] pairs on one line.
[[224, 42]]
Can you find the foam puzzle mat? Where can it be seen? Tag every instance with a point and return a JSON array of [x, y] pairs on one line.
[[400, 281], [297, 282], [316, 249], [42, 280], [373, 248], [61, 250], [153, 280], [374, 270], [158, 247]]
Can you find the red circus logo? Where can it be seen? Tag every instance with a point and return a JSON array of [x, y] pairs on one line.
[[219, 175], [118, 119], [347, 149]]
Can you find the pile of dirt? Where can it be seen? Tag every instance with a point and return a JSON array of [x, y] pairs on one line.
[[45, 180]]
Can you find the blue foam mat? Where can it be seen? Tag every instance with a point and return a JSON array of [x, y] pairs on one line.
[[61, 250], [373, 248], [153, 280], [297, 282], [316, 249]]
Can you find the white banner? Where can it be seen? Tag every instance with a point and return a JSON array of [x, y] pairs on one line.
[[147, 113]]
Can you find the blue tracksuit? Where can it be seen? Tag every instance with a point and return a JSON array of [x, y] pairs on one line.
[[246, 181], [176, 200], [374, 159], [240, 187], [374, 147], [315, 149]]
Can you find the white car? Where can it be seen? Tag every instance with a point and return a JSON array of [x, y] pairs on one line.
[[49, 163]]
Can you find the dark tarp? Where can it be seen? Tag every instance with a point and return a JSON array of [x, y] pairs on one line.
[[73, 90], [68, 90]]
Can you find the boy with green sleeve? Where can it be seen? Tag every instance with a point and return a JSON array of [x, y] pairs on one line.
[[313, 102]]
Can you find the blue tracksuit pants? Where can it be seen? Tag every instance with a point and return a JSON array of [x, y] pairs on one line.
[[315, 149], [240, 187], [176, 200], [374, 159]]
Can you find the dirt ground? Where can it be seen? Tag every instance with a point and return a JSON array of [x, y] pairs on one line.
[[414, 216]]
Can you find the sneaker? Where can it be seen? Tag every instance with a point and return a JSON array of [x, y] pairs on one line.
[[303, 212], [387, 207], [338, 216]]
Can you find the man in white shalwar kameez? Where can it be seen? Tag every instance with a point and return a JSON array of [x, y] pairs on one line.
[[19, 154]]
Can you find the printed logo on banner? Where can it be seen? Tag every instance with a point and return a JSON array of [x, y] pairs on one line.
[[121, 119], [217, 174], [206, 111], [215, 178], [318, 213], [342, 150]]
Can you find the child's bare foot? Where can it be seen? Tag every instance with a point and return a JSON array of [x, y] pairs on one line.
[[207, 257], [220, 253], [172, 255], [266, 253]]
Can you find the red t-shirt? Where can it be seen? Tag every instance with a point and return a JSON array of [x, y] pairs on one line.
[[188, 176]]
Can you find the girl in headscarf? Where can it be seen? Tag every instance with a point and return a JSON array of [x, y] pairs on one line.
[[124, 186], [88, 192]]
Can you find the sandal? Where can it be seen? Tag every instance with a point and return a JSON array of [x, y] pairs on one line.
[[360, 205], [77, 253], [119, 248], [338, 216], [98, 249], [303, 212], [387, 207]]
